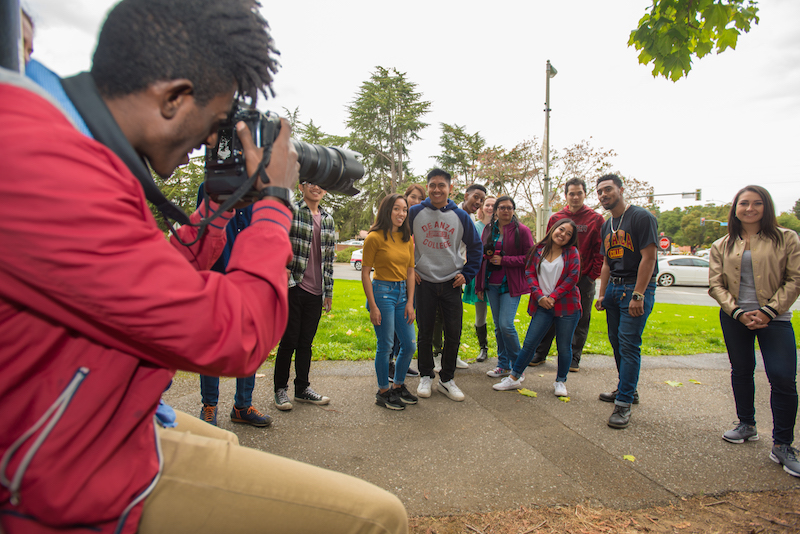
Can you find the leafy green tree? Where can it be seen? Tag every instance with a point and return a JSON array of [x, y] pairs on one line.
[[181, 188], [460, 151], [385, 119], [673, 31], [790, 221], [796, 209]]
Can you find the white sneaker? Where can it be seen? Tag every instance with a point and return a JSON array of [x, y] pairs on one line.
[[560, 389], [424, 387], [498, 372], [451, 390], [437, 363], [508, 383], [461, 364]]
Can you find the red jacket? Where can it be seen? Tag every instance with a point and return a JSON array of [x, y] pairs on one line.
[[97, 305], [513, 260], [590, 224], [567, 296]]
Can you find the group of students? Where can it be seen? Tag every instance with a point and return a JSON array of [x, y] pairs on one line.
[[431, 246]]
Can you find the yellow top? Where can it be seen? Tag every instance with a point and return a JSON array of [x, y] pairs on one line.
[[391, 257]]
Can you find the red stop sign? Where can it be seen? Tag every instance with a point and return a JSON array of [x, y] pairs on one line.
[[664, 243]]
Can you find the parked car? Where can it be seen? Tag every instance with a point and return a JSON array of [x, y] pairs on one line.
[[703, 253], [352, 243], [355, 259], [682, 271]]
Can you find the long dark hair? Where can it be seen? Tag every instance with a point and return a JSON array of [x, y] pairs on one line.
[[489, 237], [769, 223], [548, 241], [383, 220]]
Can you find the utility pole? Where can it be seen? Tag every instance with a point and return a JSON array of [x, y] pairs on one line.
[[10, 35], [544, 213]]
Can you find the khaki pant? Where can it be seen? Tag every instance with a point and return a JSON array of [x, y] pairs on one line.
[[211, 484]]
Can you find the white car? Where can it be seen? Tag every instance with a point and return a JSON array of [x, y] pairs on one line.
[[355, 259], [352, 243], [682, 271]]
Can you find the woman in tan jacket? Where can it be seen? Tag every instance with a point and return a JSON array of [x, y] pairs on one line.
[[755, 277]]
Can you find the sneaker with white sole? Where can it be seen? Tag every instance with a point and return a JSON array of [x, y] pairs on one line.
[[743, 432], [282, 401], [461, 364], [311, 397], [508, 383], [437, 363], [560, 389], [450, 389], [498, 372], [424, 387], [786, 455]]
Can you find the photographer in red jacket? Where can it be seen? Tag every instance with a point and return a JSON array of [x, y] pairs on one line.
[[98, 310]]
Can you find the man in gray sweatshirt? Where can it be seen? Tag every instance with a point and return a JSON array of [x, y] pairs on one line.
[[439, 228]]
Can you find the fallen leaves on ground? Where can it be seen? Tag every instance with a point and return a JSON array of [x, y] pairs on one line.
[[527, 392]]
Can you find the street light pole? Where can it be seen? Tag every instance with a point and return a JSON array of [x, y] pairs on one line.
[[545, 212]]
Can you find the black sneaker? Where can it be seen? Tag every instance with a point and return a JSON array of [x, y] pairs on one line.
[[389, 399], [537, 360], [405, 396], [310, 396], [412, 372], [621, 417], [611, 397]]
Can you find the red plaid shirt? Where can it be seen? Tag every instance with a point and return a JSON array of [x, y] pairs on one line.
[[566, 294]]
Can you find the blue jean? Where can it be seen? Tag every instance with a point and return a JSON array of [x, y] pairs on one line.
[[541, 322], [779, 352], [391, 299], [625, 335], [209, 390], [504, 309]]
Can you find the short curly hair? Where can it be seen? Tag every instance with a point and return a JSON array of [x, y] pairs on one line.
[[212, 43]]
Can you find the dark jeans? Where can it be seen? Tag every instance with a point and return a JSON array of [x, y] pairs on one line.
[[431, 297], [587, 289], [625, 335], [209, 390], [305, 309], [779, 352]]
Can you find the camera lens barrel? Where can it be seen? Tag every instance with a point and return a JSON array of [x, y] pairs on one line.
[[331, 168]]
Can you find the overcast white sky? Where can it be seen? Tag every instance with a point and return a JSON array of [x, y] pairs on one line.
[[733, 121]]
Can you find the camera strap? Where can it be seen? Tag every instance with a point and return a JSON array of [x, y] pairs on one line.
[[83, 93]]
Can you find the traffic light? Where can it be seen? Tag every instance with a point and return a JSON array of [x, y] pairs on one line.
[[702, 220], [697, 194]]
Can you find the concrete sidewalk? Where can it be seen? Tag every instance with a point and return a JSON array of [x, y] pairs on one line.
[[498, 450]]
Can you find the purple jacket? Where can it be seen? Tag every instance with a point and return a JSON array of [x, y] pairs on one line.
[[513, 259]]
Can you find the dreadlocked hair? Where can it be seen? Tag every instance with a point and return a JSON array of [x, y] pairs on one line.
[[212, 43]]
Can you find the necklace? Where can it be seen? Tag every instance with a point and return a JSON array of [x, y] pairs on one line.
[[620, 220]]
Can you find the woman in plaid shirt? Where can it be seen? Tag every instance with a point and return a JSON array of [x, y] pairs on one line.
[[552, 270]]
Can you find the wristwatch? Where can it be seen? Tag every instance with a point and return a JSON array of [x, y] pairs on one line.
[[637, 296], [281, 193]]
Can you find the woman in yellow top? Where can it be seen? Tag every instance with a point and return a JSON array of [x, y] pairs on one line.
[[755, 277], [390, 297]]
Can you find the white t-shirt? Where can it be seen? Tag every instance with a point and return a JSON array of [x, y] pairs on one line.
[[549, 273]]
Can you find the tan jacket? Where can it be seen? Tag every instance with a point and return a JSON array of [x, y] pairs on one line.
[[776, 270]]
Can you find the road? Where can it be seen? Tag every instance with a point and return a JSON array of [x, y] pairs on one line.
[[697, 296]]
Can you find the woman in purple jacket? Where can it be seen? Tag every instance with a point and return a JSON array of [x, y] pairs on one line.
[[552, 270], [506, 242]]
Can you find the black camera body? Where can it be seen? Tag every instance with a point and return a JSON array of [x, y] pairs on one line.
[[331, 168]]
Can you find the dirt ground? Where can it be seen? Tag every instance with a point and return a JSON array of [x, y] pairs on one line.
[[773, 511]]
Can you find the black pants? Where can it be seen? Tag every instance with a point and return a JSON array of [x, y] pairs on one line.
[[305, 310], [442, 296]]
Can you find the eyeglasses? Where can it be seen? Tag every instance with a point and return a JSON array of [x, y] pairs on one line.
[[505, 208]]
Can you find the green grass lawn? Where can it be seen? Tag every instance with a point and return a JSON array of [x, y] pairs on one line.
[[672, 329]]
